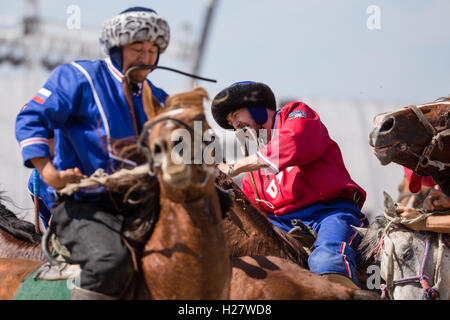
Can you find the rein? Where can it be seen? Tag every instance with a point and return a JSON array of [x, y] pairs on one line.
[[428, 292], [153, 67], [143, 147], [126, 83]]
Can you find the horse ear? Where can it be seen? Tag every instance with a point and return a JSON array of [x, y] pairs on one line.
[[361, 231], [226, 199], [389, 206]]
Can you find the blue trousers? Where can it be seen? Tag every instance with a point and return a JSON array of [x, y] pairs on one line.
[[336, 243]]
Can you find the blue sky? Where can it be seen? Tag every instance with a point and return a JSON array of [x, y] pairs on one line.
[[319, 48], [310, 50]]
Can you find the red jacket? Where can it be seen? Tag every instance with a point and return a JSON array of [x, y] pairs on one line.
[[306, 165]]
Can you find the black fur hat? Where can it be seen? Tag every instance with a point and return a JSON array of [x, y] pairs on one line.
[[246, 94]]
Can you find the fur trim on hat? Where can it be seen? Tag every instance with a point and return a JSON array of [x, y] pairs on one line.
[[133, 26], [241, 95]]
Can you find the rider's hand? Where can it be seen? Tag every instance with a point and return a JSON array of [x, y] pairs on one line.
[[407, 213], [53, 177], [437, 201], [225, 168], [67, 176]]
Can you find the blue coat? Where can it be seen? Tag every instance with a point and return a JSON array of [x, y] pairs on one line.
[[83, 106]]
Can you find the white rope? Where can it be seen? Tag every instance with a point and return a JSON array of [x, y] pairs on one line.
[[100, 177], [437, 271], [258, 146]]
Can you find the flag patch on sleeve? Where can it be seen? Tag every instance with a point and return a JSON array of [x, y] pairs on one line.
[[297, 114], [42, 95]]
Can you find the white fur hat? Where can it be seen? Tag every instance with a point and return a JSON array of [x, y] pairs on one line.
[[135, 24]]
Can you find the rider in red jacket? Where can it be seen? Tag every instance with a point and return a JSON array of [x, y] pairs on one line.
[[306, 163], [298, 174]]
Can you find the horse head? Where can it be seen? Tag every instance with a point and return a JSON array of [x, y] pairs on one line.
[[186, 257], [173, 142], [410, 262], [417, 137]]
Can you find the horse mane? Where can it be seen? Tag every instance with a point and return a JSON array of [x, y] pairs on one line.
[[371, 240], [192, 98], [442, 99], [18, 228]]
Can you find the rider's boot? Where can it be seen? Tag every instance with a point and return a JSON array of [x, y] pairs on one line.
[[341, 279]]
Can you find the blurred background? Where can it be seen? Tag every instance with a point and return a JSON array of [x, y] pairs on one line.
[[349, 60]]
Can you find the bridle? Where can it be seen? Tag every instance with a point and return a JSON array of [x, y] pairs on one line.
[[392, 217], [424, 160], [145, 149], [414, 196], [429, 293]]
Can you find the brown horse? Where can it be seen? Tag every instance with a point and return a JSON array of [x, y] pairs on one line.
[[417, 137], [187, 257], [266, 273]]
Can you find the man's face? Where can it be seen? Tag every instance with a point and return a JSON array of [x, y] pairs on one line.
[[140, 52], [241, 118]]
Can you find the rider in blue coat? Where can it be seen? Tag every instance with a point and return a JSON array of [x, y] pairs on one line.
[[83, 107]]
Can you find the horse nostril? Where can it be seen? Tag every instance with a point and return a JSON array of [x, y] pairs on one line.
[[387, 124]]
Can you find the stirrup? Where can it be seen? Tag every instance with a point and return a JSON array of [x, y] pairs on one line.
[[61, 250], [300, 227]]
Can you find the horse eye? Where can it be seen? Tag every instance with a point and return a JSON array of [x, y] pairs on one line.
[[408, 254]]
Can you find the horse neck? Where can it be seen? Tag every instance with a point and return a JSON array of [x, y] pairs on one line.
[[11, 247], [187, 250], [265, 238], [201, 216], [17, 237], [247, 212]]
